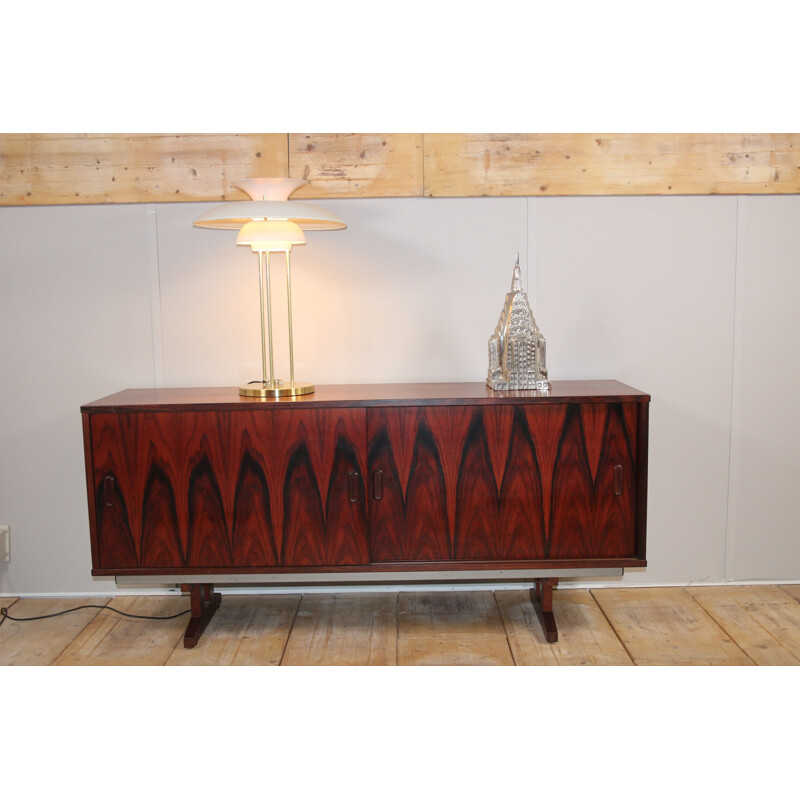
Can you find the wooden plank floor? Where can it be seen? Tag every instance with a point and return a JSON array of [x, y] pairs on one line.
[[344, 630], [584, 634], [763, 620], [709, 625], [443, 628], [667, 627]]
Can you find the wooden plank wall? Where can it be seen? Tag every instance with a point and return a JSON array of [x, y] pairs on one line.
[[63, 168], [57, 168], [614, 164], [357, 164]]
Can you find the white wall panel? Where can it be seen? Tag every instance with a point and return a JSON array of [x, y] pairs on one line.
[[764, 527], [75, 325], [641, 290], [410, 291], [94, 299]]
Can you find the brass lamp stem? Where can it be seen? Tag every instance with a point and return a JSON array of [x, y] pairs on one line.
[[263, 286], [289, 299], [261, 303], [270, 387]]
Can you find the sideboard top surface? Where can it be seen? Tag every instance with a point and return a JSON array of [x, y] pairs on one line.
[[381, 394]]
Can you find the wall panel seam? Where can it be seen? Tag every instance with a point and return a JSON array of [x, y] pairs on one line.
[[736, 387], [156, 316]]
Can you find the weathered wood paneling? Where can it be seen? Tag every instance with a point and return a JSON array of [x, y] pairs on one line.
[[357, 164], [667, 627], [763, 620], [480, 164], [451, 628], [112, 640], [76, 168], [40, 642], [344, 630], [584, 635], [57, 168], [245, 631], [659, 626]]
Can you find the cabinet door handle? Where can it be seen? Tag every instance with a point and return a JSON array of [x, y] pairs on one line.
[[377, 484], [618, 479], [109, 493], [352, 486]]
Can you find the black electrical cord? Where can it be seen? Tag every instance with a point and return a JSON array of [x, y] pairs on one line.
[[4, 615]]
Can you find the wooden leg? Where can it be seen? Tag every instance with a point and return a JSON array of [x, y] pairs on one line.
[[205, 601], [542, 599]]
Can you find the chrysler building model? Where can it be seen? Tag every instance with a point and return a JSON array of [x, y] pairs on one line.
[[517, 348]]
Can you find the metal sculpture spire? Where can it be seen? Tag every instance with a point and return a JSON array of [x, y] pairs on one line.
[[517, 347], [516, 281]]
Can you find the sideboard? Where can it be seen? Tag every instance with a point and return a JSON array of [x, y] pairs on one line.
[[367, 481]]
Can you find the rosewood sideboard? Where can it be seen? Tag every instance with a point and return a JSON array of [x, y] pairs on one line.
[[374, 482]]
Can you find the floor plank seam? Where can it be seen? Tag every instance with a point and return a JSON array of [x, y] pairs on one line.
[[7, 602], [733, 641], [749, 628], [725, 631], [767, 633], [789, 594], [755, 621], [71, 642], [177, 645], [291, 628], [505, 629], [614, 630], [397, 630]]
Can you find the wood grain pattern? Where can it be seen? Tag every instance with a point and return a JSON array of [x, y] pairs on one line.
[[763, 620], [244, 631], [503, 483], [218, 486], [344, 630], [211, 490], [77, 168], [589, 517], [793, 590], [642, 447], [453, 628], [112, 640], [71, 168], [584, 635], [357, 164], [666, 627], [40, 642], [531, 164]]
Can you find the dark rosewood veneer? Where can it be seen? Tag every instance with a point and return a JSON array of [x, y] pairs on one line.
[[375, 478]]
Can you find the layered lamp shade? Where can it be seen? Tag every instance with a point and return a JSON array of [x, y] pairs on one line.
[[270, 223]]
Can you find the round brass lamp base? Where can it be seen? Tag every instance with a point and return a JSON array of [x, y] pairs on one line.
[[277, 388]]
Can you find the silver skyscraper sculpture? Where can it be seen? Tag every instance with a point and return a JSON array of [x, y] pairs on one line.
[[517, 348]]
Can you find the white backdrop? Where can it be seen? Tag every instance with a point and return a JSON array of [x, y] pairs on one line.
[[692, 299]]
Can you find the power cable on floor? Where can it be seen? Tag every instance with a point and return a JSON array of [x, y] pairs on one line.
[[4, 615]]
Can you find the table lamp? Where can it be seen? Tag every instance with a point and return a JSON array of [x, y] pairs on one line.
[[270, 223]]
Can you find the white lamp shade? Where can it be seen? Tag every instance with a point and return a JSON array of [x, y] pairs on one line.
[[270, 188], [270, 235], [270, 202]]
